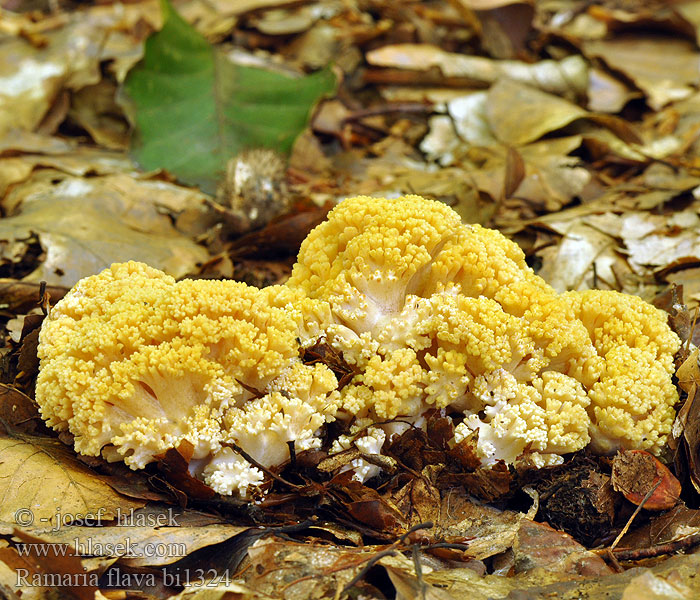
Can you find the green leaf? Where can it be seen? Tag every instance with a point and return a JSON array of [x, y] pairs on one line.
[[193, 108]]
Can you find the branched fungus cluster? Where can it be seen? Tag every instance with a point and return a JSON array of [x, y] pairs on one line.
[[429, 313]]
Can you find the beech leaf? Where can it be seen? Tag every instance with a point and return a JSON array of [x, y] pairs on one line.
[[193, 108]]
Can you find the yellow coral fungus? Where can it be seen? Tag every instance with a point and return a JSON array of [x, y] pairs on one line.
[[429, 312], [132, 359]]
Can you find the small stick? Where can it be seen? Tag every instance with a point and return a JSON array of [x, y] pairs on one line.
[[659, 550], [388, 552], [634, 514], [264, 469]]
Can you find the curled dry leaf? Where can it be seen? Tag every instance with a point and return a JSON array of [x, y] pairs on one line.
[[17, 410], [664, 68], [567, 77], [690, 416]]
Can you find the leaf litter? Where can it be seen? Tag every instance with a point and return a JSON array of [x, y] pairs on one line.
[[562, 125]]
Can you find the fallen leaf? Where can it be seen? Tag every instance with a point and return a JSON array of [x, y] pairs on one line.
[[214, 108], [691, 435], [85, 225], [538, 546], [94, 108], [663, 528], [607, 93], [68, 488], [44, 566], [164, 543], [636, 473], [519, 114], [566, 77], [568, 265], [408, 587], [653, 587], [18, 410], [174, 467], [665, 68], [310, 570]]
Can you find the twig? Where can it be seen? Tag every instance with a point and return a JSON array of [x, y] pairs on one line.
[[634, 514], [398, 107], [44, 302], [610, 555], [389, 76], [658, 550], [388, 552], [692, 329], [263, 468], [448, 545], [419, 570], [363, 571]]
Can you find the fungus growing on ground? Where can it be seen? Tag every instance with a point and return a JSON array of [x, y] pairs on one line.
[[429, 313]]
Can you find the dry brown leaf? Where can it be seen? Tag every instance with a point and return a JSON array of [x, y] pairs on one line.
[[240, 7], [226, 590], [45, 567], [691, 435], [283, 21], [31, 78], [688, 374], [17, 410], [67, 486], [664, 528], [79, 161], [94, 108], [471, 119], [296, 571], [665, 68], [569, 264], [519, 114], [538, 546], [486, 530], [32, 75], [566, 77], [489, 4], [408, 587], [84, 225], [163, 543], [607, 93], [552, 178], [648, 585], [636, 473]]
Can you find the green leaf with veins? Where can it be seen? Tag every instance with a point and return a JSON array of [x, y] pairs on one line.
[[193, 108]]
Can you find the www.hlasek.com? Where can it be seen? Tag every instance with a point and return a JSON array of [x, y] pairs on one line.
[[124, 548]]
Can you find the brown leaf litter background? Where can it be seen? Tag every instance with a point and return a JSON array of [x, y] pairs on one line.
[[573, 127]]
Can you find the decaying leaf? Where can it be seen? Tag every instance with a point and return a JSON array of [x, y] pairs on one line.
[[691, 435], [44, 567], [575, 126], [519, 114], [33, 75], [642, 478]]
